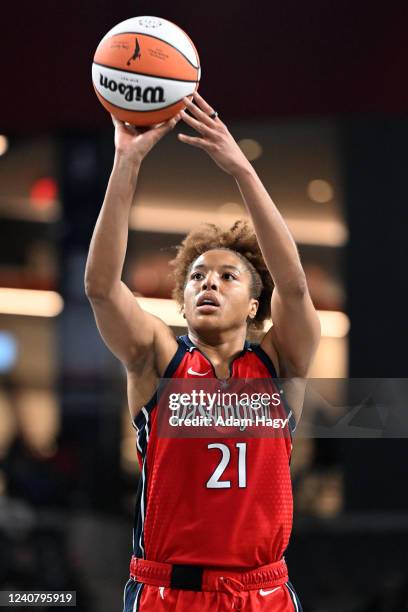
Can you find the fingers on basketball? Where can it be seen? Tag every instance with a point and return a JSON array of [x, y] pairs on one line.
[[201, 103]]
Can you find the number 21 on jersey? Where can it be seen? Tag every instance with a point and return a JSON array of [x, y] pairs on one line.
[[214, 481]]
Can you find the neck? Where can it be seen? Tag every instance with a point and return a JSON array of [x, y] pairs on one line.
[[219, 346]]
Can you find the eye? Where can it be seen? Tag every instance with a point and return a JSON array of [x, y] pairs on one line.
[[228, 276], [196, 276]]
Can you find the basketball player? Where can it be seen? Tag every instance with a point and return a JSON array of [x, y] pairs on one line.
[[212, 520]]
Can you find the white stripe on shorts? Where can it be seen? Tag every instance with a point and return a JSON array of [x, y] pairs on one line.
[[293, 596], [137, 596]]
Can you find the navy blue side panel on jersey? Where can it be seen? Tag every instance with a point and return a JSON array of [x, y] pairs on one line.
[[141, 496], [142, 424], [137, 524], [267, 361]]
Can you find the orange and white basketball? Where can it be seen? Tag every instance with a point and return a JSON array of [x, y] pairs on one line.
[[142, 69]]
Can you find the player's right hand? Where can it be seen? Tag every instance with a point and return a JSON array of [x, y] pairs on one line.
[[134, 143]]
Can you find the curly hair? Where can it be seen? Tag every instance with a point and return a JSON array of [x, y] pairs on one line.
[[240, 239]]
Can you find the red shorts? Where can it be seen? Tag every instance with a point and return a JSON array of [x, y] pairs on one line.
[[264, 588]]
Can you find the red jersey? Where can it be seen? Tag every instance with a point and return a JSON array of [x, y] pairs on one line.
[[180, 517]]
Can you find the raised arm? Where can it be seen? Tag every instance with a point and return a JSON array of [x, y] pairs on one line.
[[129, 332], [294, 337]]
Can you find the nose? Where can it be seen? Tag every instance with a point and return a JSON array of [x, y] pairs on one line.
[[210, 282]]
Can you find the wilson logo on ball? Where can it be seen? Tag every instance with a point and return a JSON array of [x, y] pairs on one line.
[[131, 93]]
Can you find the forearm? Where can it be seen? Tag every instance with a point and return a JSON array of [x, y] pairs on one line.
[[108, 246], [275, 240]]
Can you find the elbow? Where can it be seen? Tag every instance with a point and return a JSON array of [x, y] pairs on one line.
[[295, 287], [300, 286], [95, 290], [98, 284], [91, 291]]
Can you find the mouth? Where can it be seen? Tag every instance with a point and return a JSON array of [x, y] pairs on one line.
[[207, 303], [207, 308]]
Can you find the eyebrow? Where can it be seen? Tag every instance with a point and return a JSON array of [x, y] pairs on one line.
[[230, 266]]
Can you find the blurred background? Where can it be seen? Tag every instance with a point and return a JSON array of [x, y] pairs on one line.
[[317, 97]]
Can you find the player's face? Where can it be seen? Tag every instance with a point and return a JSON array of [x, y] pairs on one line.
[[217, 292]]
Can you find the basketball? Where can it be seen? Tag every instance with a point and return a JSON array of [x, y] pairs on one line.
[[142, 69]]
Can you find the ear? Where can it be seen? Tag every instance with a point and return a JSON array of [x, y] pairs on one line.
[[253, 308]]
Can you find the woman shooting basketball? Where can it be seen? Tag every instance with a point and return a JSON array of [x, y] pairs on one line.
[[213, 520]]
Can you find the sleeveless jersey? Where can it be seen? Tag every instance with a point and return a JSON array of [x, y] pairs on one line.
[[178, 519]]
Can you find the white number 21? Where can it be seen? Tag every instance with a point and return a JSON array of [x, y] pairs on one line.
[[214, 482]]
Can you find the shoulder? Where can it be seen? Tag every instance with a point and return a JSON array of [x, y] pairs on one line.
[[270, 345], [144, 377], [267, 344], [158, 353], [165, 346], [294, 385]]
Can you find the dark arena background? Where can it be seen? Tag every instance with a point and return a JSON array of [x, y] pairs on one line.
[[316, 94]]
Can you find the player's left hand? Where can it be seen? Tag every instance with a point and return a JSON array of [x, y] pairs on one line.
[[214, 138]]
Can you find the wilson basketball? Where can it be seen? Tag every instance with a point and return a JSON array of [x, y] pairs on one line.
[[142, 69]]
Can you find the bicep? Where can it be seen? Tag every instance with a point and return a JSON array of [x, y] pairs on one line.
[[127, 330], [295, 333]]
